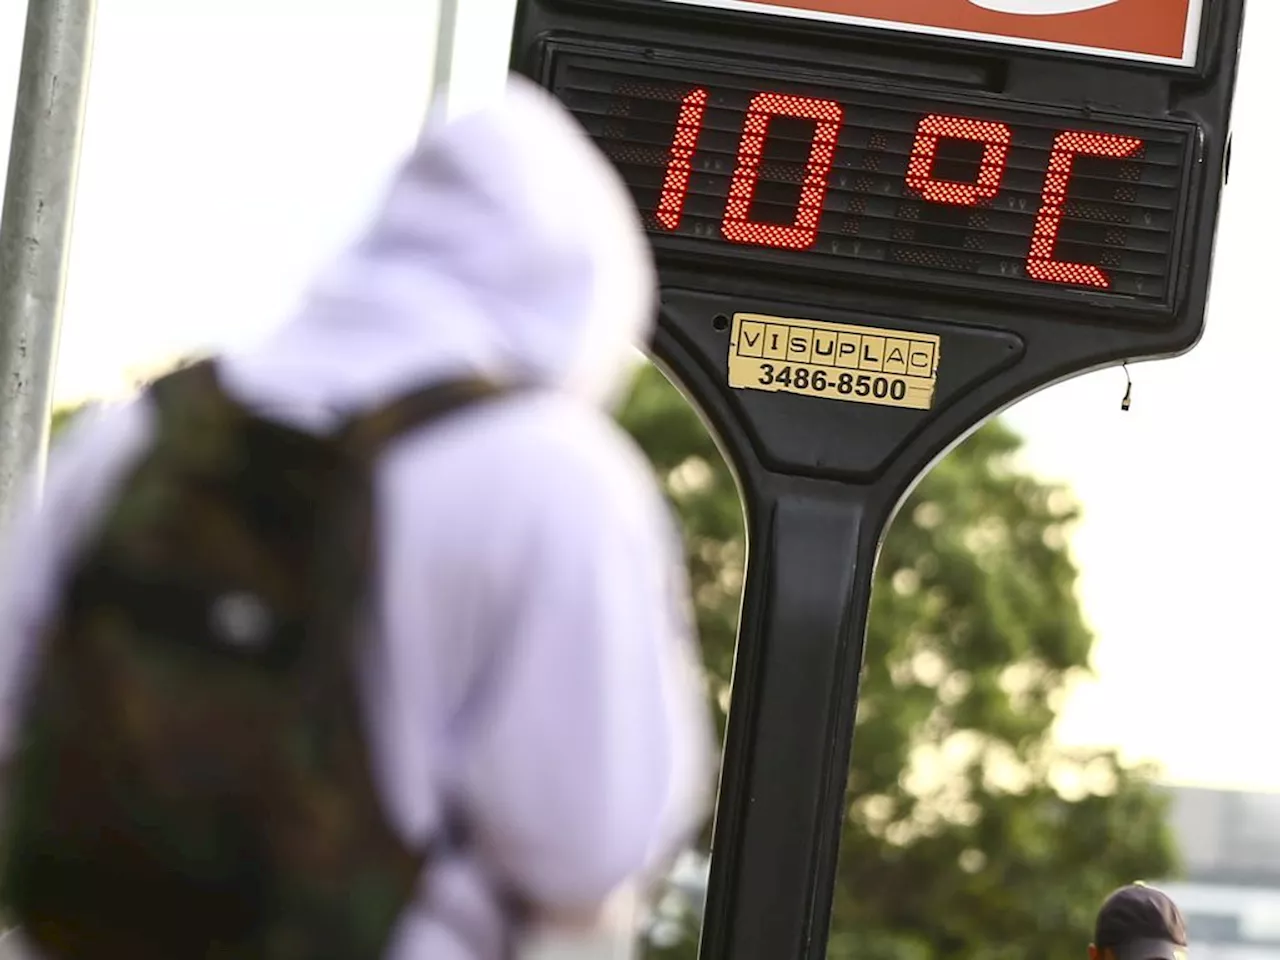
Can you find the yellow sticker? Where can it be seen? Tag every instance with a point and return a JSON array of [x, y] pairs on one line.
[[833, 360]]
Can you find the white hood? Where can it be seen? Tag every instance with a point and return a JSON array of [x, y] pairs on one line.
[[506, 244]]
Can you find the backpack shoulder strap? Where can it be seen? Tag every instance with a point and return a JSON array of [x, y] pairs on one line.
[[196, 389], [368, 434]]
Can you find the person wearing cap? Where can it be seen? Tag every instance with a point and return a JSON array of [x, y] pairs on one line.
[[1138, 922]]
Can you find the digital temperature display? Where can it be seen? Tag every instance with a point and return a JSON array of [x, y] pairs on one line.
[[861, 180]]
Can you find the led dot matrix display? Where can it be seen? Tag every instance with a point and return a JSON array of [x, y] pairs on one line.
[[891, 185]]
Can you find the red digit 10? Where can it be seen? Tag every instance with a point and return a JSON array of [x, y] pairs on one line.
[[737, 225], [996, 138], [680, 167]]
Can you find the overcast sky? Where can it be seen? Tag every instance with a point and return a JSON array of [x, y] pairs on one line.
[[230, 143]]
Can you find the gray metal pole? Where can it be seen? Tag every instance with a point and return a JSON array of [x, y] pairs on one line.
[[36, 227], [446, 38]]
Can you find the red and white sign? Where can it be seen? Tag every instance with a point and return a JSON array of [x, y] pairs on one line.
[[1153, 31]]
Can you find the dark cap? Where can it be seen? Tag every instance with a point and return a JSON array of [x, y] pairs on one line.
[[1138, 922]]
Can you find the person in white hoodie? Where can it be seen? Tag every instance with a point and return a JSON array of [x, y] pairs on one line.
[[536, 668]]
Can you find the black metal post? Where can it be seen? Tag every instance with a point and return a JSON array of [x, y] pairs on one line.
[[800, 643]]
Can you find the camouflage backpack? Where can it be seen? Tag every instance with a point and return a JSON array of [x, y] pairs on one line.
[[191, 778]]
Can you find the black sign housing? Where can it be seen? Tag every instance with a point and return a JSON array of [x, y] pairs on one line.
[[816, 191]]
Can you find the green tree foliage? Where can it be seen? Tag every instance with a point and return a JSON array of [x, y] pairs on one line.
[[969, 833]]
